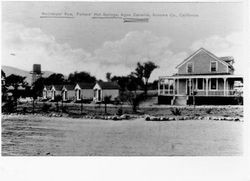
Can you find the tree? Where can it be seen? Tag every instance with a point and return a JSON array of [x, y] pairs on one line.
[[15, 81], [57, 99], [4, 89], [143, 72], [81, 77], [122, 81], [133, 83], [54, 79], [38, 86], [134, 99], [108, 76]]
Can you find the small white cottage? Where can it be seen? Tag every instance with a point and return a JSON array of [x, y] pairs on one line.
[[84, 91], [47, 94], [56, 90], [68, 92], [102, 89]]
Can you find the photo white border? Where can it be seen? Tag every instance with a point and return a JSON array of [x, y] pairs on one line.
[[220, 168]]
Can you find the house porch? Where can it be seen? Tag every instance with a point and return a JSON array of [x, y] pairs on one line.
[[208, 89]]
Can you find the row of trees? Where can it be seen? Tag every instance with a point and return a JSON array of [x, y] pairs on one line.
[[136, 80]]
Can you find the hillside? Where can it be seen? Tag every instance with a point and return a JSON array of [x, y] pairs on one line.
[[12, 70]]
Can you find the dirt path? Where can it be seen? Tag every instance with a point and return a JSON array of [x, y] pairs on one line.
[[32, 136]]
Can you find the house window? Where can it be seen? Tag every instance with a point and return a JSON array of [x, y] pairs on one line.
[[213, 66], [200, 84], [213, 85], [190, 67]]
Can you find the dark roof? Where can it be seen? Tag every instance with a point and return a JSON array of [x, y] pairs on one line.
[[58, 87], [108, 85], [69, 86], [48, 87], [84, 85]]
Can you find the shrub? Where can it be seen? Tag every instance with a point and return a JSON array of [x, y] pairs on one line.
[[24, 110], [64, 109], [117, 101], [46, 107], [208, 111], [119, 112], [9, 106], [176, 111]]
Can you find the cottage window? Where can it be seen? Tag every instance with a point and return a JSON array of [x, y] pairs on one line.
[[200, 84], [190, 67], [213, 66], [213, 84]]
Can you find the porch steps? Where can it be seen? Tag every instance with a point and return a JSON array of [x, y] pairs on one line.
[[180, 100]]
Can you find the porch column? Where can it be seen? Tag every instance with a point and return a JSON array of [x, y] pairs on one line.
[[206, 86], [159, 81], [164, 87], [174, 87], [177, 86], [196, 84], [190, 86], [225, 80], [169, 86]]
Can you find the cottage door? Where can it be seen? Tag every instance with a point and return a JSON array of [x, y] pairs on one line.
[[79, 94], [99, 95]]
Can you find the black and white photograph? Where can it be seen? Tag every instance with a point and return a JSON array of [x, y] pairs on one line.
[[122, 78]]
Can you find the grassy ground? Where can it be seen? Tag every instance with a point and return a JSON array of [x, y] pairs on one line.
[[37, 135]]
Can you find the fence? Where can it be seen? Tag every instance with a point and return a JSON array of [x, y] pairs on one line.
[[71, 108]]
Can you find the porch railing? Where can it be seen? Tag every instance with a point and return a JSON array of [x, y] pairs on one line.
[[216, 93], [202, 92]]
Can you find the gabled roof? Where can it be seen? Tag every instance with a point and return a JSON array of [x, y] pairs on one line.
[[207, 52], [58, 87], [108, 85], [84, 85], [69, 86], [47, 87]]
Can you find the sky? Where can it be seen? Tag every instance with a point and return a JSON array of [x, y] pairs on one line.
[[78, 42]]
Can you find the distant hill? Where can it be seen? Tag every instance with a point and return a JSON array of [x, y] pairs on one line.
[[12, 70]]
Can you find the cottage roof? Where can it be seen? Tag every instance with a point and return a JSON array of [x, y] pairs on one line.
[[48, 87], [69, 86], [58, 87], [108, 85], [84, 85]]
